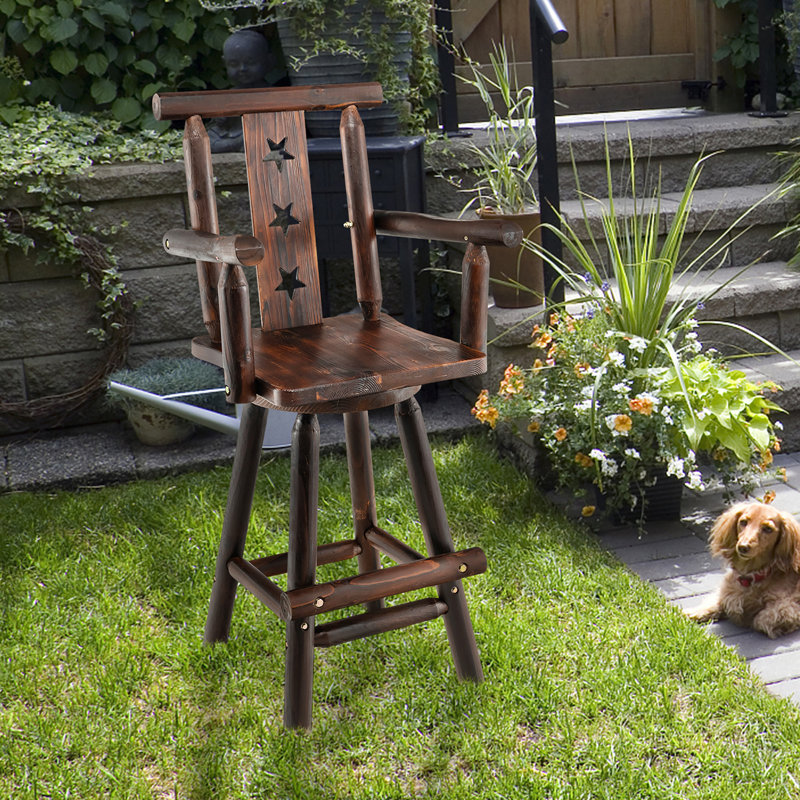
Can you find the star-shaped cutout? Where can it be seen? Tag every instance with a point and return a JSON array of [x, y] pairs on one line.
[[278, 153], [289, 282], [283, 218]]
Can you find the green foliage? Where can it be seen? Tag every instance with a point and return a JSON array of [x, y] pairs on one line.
[[111, 55], [506, 165], [41, 153]]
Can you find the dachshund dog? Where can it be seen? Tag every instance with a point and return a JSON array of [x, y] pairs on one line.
[[761, 589]]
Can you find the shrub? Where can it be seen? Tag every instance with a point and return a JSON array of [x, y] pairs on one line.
[[89, 55]]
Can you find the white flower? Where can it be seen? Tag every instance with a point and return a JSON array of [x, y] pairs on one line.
[[695, 480], [609, 467], [587, 391], [632, 453], [616, 358], [675, 467], [621, 388], [584, 405], [778, 425], [638, 344], [597, 455]]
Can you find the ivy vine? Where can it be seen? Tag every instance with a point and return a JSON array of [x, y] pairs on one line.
[[41, 154]]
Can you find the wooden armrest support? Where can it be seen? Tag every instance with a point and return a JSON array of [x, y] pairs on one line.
[[424, 226], [242, 250]]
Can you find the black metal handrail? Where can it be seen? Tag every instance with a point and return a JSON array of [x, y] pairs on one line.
[[768, 84], [546, 29]]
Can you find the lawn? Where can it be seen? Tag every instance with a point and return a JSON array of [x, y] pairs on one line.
[[595, 687]]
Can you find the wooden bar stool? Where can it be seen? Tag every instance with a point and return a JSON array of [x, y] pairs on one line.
[[297, 360]]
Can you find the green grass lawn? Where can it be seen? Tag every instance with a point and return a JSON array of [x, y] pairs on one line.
[[595, 688]]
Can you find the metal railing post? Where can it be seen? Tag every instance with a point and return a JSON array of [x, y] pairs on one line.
[[547, 27]]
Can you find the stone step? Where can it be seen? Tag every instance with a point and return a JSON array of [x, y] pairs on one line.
[[744, 149], [727, 225], [745, 152]]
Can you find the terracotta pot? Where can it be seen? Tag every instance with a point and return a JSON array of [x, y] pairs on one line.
[[516, 264]]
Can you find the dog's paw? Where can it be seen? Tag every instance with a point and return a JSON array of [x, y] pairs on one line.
[[706, 613]]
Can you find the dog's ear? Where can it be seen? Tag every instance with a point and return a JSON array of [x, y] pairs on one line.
[[724, 534], [787, 551]]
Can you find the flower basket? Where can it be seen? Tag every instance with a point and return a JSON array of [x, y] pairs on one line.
[[660, 498]]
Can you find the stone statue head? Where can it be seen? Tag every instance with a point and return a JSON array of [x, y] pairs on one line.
[[247, 58]]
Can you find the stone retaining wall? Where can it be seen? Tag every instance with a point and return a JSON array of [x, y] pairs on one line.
[[45, 311]]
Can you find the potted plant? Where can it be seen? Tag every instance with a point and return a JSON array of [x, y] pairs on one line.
[[188, 379], [623, 397], [503, 171]]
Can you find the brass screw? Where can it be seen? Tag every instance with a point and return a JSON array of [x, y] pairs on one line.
[[319, 602], [166, 244], [454, 590], [303, 626], [227, 390], [348, 224], [462, 567]]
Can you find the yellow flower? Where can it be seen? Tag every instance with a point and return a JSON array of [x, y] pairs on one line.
[[537, 365], [560, 434], [533, 426], [581, 368], [587, 511], [766, 459], [622, 423], [769, 496], [583, 460]]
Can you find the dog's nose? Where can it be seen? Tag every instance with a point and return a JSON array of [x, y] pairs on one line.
[[742, 549]]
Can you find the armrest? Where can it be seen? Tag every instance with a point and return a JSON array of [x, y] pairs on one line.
[[242, 250], [424, 226]]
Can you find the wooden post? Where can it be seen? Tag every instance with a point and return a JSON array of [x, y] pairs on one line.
[[202, 215], [474, 297], [359, 205], [438, 540], [237, 516], [301, 564]]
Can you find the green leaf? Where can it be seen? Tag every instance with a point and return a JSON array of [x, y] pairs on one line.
[[103, 91], [62, 28], [16, 31], [148, 67], [96, 64], [63, 61], [185, 29], [8, 6], [115, 12], [126, 109], [91, 16], [33, 44]]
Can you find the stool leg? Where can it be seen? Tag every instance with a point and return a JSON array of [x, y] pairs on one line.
[[237, 516], [302, 562], [438, 539], [362, 492]]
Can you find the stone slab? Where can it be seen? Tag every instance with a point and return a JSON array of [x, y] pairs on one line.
[[680, 566], [777, 667], [680, 545], [689, 585], [96, 455]]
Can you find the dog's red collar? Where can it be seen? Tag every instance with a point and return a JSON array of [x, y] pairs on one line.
[[754, 577]]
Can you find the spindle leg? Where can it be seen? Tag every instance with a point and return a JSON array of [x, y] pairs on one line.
[[237, 516], [432, 517], [302, 559], [362, 492]]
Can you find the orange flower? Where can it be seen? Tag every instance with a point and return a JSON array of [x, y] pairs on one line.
[[483, 411], [769, 496], [644, 405], [583, 460], [560, 434], [553, 319], [513, 381], [533, 426], [542, 340], [766, 459], [587, 511], [777, 446], [581, 368], [537, 365], [622, 423]]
